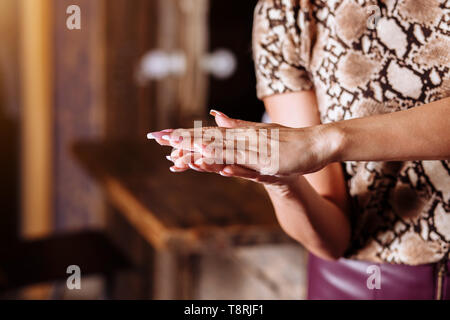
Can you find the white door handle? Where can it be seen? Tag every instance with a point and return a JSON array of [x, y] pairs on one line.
[[158, 64]]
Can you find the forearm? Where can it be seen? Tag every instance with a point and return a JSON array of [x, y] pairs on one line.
[[321, 225], [314, 208], [420, 133], [311, 219]]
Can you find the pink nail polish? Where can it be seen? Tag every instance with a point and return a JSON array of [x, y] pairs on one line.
[[224, 174], [193, 167], [158, 134], [215, 113], [155, 135], [227, 170]]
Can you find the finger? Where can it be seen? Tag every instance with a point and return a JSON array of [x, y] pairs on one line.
[[238, 171], [180, 160], [243, 139], [183, 139], [245, 173], [226, 153], [179, 138], [160, 136], [190, 139], [224, 121], [186, 159], [176, 153], [163, 142], [204, 166], [175, 169]]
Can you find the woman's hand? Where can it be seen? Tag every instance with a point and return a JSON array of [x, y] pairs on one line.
[[266, 153], [305, 215]]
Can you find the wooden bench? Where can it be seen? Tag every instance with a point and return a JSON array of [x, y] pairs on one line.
[[184, 214]]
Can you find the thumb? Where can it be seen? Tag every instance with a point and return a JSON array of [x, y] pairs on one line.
[[224, 121]]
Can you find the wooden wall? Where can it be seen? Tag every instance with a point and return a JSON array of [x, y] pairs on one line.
[[78, 110], [96, 94], [36, 116], [9, 120], [130, 31]]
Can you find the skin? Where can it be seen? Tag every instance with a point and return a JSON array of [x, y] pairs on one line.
[[308, 191]]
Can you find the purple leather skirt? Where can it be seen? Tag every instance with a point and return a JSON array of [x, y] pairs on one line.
[[358, 280]]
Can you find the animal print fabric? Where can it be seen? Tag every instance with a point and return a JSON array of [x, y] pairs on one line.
[[402, 209]]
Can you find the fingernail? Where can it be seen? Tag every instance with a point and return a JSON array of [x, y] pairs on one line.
[[174, 169], [193, 167], [215, 113], [169, 158], [158, 134], [224, 174], [227, 170]]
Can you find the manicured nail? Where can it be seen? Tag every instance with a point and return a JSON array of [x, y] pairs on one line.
[[224, 174], [193, 167], [158, 134], [227, 170], [169, 158], [215, 113], [175, 169]]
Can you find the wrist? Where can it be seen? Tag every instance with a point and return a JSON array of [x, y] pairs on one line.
[[287, 187], [330, 142]]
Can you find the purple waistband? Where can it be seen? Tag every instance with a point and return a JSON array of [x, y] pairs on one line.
[[360, 280]]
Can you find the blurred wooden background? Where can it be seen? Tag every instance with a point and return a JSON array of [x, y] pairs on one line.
[[60, 86]]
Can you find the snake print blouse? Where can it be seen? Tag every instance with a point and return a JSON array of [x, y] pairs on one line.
[[363, 60]]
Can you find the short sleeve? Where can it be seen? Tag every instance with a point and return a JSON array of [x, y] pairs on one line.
[[281, 46]]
